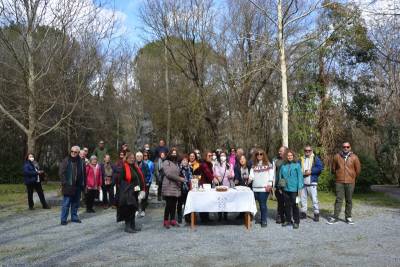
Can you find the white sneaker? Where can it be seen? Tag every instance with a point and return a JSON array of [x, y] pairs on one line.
[[349, 221], [142, 214], [136, 214]]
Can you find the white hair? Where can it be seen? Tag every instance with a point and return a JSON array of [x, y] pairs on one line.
[[139, 153], [75, 148]]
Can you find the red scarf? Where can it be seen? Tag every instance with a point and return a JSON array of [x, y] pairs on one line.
[[128, 174]]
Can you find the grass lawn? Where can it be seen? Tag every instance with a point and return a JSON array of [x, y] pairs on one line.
[[14, 195]]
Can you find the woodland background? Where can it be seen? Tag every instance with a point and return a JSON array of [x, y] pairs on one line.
[[209, 75]]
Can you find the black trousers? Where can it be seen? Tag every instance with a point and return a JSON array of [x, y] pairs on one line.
[[159, 189], [170, 208], [281, 204], [291, 207], [110, 190], [90, 196], [39, 190]]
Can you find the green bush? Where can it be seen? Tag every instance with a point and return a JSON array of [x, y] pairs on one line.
[[326, 181], [11, 173], [370, 174]]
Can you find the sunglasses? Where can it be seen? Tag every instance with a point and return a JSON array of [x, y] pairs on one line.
[[75, 152], [346, 147], [308, 150], [260, 154]]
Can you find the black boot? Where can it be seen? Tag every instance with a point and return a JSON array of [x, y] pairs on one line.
[[128, 228], [179, 217], [316, 217]]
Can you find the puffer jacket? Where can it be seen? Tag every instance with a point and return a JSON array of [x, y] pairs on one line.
[[346, 170], [171, 186]]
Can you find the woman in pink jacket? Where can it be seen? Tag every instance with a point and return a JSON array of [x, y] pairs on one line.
[[93, 183]]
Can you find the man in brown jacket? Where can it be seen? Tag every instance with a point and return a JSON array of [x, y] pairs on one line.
[[346, 167]]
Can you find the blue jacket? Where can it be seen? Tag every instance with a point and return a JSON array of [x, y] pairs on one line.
[[149, 177], [293, 175], [144, 167], [316, 169], [30, 173]]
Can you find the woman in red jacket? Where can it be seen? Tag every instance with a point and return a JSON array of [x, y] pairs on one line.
[[207, 177], [93, 183]]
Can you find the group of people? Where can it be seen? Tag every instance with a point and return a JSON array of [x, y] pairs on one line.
[[125, 184]]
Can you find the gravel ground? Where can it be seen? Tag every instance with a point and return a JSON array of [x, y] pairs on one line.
[[36, 238]]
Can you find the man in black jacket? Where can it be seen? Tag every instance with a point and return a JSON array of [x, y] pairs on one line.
[[72, 174]]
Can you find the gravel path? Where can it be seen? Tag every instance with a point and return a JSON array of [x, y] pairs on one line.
[[36, 238]]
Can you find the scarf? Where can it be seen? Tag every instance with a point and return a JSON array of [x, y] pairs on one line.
[[128, 174]]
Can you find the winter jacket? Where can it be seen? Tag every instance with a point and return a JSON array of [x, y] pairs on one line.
[[225, 174], [171, 186], [145, 170], [207, 175], [316, 168], [31, 174], [72, 174], [100, 153], [187, 173], [150, 165], [113, 176], [345, 168], [293, 175], [238, 174], [263, 176], [94, 176], [277, 162]]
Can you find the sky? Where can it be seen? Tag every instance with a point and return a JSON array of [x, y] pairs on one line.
[[128, 12]]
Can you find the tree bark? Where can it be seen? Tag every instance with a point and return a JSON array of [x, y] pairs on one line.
[[167, 92], [282, 57]]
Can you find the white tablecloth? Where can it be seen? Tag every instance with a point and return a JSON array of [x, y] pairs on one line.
[[213, 201]]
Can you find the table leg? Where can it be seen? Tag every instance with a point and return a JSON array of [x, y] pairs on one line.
[[193, 220], [247, 220]]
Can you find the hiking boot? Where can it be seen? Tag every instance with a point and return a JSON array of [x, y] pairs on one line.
[[286, 224], [46, 207], [303, 215], [332, 220], [316, 217], [142, 213], [349, 221], [295, 226], [64, 223], [278, 220], [263, 225]]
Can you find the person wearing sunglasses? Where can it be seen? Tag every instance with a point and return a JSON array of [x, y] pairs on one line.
[[73, 175], [346, 167], [262, 174], [311, 167]]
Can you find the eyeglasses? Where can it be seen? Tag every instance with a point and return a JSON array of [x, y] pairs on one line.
[[75, 152], [346, 146], [307, 150], [209, 155]]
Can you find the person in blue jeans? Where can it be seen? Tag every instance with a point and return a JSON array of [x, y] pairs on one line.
[[262, 175], [72, 174]]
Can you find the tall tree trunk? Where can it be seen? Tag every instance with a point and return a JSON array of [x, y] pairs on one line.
[[285, 105], [32, 120], [167, 92]]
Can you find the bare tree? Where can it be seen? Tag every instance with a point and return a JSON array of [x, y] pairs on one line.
[[51, 49]]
